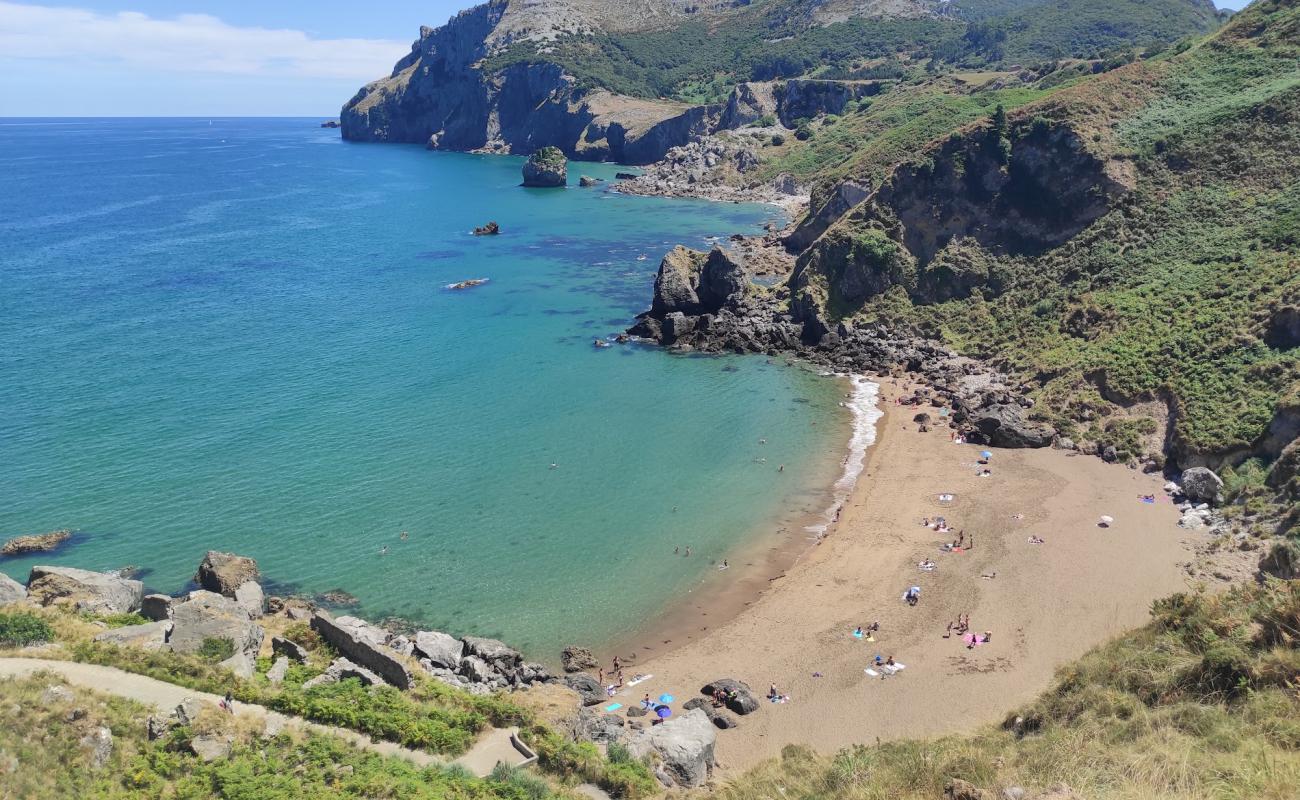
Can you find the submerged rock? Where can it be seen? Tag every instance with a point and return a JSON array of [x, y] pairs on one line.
[[39, 543]]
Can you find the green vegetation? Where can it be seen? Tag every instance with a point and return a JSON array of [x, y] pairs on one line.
[[22, 628], [549, 157], [216, 650], [619, 774], [700, 60], [1204, 702], [432, 716], [45, 738], [1166, 298]]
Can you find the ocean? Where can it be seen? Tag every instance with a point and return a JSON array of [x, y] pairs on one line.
[[235, 334]]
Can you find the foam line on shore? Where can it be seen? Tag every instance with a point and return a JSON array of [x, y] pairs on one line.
[[862, 403]]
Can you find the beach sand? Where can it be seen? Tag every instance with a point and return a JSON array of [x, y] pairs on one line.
[[1048, 604]]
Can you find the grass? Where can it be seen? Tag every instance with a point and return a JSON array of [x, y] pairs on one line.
[[20, 629], [1166, 297], [1204, 702], [53, 763]]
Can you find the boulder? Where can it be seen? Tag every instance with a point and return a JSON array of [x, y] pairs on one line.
[[1201, 485], [586, 181], [1004, 425], [477, 670], [281, 646], [93, 592], [740, 698], [38, 543], [441, 649], [157, 607], [345, 669], [150, 636], [685, 745], [577, 659], [206, 615], [210, 747], [546, 168], [11, 591], [363, 630], [223, 573], [587, 687], [600, 728], [357, 644], [958, 789], [496, 653], [278, 670], [249, 595], [241, 664], [99, 744]]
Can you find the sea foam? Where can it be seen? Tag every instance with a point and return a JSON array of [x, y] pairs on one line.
[[862, 403]]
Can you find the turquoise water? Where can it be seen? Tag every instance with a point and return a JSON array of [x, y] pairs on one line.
[[236, 336]]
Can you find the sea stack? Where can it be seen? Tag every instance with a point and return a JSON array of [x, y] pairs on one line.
[[547, 168]]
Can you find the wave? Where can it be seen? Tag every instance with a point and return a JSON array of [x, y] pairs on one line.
[[862, 403]]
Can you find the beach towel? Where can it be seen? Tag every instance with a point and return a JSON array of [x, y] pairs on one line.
[[639, 679], [1149, 501], [613, 706], [857, 634], [872, 672], [894, 669]]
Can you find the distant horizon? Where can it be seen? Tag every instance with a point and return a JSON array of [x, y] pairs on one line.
[[135, 59]]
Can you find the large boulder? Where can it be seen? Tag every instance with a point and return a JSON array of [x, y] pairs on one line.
[[1004, 425], [93, 592], [441, 649], [685, 744], [587, 687], [223, 573], [250, 597], [150, 636], [281, 646], [1201, 485], [207, 615], [358, 643], [11, 591], [693, 282], [546, 168], [500, 655], [576, 659], [740, 698], [157, 607]]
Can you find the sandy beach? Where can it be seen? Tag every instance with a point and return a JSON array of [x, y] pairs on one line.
[[1048, 603]]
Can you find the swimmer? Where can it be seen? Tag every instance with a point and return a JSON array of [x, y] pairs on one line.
[[383, 551], [404, 536]]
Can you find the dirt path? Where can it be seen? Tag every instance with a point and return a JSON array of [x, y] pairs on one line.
[[166, 696]]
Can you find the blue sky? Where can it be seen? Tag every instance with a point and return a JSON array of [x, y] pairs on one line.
[[205, 58]]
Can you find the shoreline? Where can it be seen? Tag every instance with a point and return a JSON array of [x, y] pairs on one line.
[[767, 556], [1047, 604]]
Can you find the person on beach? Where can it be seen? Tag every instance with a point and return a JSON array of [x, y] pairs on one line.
[[725, 565], [948, 633], [600, 677], [858, 632], [618, 665], [772, 693], [961, 538], [620, 679], [647, 703]]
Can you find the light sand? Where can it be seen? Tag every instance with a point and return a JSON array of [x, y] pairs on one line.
[[1049, 603]]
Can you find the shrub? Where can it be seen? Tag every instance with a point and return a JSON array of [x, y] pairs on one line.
[[804, 132], [777, 140], [216, 649], [22, 628], [766, 121]]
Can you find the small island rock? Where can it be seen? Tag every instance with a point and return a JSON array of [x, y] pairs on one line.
[[546, 168]]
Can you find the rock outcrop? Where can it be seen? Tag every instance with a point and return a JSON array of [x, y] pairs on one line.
[[207, 615], [37, 543], [440, 649], [577, 659], [740, 698], [546, 168], [92, 592], [11, 591], [1004, 425], [281, 646], [1201, 485], [157, 607], [223, 573], [685, 744], [587, 687], [364, 644], [150, 636]]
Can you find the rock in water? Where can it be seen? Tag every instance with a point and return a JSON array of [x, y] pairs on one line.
[[576, 659], [546, 168], [1201, 485], [11, 591], [586, 181], [41, 543], [490, 229], [223, 573], [93, 592]]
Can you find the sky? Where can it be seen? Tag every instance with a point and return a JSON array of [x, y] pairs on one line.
[[206, 58]]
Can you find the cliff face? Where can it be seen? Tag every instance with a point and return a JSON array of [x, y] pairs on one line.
[[439, 95]]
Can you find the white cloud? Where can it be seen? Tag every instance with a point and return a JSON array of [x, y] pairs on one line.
[[187, 43]]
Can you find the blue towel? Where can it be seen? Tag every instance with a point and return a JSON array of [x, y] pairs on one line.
[[613, 706]]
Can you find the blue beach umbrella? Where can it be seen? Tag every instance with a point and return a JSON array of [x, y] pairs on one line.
[[986, 454], [665, 698], [664, 712]]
